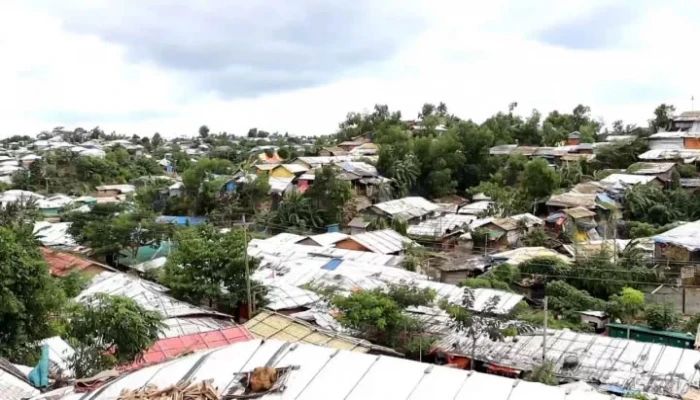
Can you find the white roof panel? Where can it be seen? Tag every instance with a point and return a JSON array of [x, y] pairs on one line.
[[634, 366], [408, 207], [329, 239], [330, 374], [12, 388], [148, 295], [475, 208], [279, 185], [385, 241], [438, 227], [686, 235]]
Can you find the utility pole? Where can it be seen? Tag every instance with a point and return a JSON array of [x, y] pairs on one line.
[[544, 335], [247, 269]]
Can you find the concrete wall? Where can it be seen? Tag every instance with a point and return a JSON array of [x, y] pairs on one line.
[[685, 300]]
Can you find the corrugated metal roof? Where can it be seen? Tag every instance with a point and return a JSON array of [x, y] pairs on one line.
[[281, 296], [359, 168], [686, 236], [124, 189], [61, 263], [274, 253], [572, 199], [634, 366], [54, 234], [690, 182], [579, 212], [350, 276], [169, 348], [329, 239], [507, 224], [266, 167], [502, 150], [327, 373], [279, 185], [295, 168], [592, 248], [284, 238], [438, 227], [620, 138], [647, 168], [385, 241], [670, 154], [407, 208], [475, 208], [148, 295], [529, 219], [622, 180], [11, 196], [320, 161], [577, 157], [272, 325], [13, 388]]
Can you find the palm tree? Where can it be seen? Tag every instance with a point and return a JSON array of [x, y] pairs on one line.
[[381, 192], [405, 173]]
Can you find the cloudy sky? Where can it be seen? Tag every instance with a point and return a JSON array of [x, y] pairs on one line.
[[300, 66]]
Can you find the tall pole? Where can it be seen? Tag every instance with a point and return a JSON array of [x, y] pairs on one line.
[[544, 335], [247, 269]]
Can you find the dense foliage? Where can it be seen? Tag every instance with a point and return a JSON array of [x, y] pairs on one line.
[[210, 267], [109, 331], [30, 300]]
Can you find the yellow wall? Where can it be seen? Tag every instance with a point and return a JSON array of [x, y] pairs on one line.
[[281, 172]]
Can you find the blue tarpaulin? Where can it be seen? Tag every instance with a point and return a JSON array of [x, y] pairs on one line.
[[332, 264], [39, 376]]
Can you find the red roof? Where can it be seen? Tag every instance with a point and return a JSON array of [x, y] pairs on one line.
[[165, 349], [62, 263]]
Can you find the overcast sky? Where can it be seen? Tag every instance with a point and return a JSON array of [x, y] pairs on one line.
[[300, 66]]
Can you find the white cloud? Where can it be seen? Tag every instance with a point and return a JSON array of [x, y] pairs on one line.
[[475, 56]]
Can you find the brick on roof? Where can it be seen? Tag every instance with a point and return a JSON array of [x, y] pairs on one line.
[[62, 263], [166, 349]]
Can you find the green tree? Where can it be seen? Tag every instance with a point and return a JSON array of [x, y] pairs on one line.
[[374, 313], [639, 230], [112, 235], [619, 155], [475, 326], [295, 212], [251, 194], [109, 331], [663, 117], [73, 283], [543, 373], [661, 316], [539, 180], [380, 192], [647, 203], [209, 267], [626, 305], [29, 298], [568, 300], [329, 194], [284, 153], [687, 170], [691, 325], [411, 295]]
